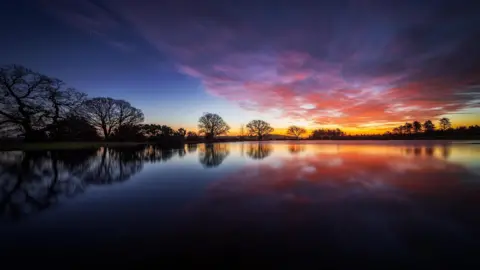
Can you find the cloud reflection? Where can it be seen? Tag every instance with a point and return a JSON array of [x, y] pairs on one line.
[[359, 188]]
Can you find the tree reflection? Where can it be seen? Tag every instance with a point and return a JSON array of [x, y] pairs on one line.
[[259, 151], [429, 151], [192, 148], [446, 150], [212, 155], [314, 181], [114, 165], [296, 148], [34, 180], [417, 151]]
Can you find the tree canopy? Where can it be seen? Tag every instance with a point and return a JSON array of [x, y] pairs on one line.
[[30, 102], [108, 114], [212, 125], [259, 128], [445, 123], [296, 131]]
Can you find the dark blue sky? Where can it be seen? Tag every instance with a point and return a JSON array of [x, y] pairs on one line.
[[360, 65]]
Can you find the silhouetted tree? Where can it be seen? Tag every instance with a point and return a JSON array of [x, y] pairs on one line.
[[181, 132], [445, 124], [128, 132], [329, 133], [397, 131], [32, 101], [296, 131], [428, 126], [192, 136], [102, 114], [259, 150], [166, 131], [212, 125], [108, 114], [259, 128], [212, 155], [151, 130], [408, 127], [242, 130], [74, 128], [417, 127], [127, 114], [64, 102]]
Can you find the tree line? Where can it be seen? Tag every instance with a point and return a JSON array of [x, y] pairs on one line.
[[37, 107], [429, 130]]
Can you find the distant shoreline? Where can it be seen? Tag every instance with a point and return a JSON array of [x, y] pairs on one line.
[[20, 146]]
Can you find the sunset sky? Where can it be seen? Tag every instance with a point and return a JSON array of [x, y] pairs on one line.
[[364, 66]]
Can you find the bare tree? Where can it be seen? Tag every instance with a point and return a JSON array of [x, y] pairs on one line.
[[212, 125], [64, 102], [296, 131], [108, 114], [31, 101], [21, 90], [127, 114], [101, 114], [259, 128], [445, 123]]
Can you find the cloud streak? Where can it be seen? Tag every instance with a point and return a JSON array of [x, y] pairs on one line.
[[349, 63]]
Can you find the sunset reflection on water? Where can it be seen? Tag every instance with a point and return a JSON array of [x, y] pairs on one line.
[[399, 201]]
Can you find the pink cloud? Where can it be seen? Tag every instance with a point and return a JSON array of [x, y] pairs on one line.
[[353, 77]]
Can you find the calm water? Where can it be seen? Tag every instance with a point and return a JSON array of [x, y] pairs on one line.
[[281, 202]]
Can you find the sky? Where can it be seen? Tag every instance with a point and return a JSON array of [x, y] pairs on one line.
[[364, 66]]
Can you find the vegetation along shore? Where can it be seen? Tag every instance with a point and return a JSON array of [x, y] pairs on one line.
[[40, 112]]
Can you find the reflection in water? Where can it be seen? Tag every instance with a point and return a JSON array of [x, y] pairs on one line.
[[213, 154], [296, 148], [348, 200], [373, 195], [429, 151], [446, 150], [259, 150], [192, 148], [32, 181], [358, 181]]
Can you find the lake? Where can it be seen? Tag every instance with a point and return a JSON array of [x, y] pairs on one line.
[[287, 203]]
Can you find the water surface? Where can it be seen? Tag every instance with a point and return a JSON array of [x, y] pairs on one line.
[[284, 202]]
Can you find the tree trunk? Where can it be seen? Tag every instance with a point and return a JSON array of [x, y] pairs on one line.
[[105, 133], [29, 133]]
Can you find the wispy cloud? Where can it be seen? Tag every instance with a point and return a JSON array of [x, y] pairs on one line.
[[92, 18], [355, 64]]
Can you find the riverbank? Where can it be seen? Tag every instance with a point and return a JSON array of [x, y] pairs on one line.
[[63, 145], [19, 146]]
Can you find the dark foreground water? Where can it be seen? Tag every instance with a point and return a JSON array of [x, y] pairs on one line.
[[244, 204]]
